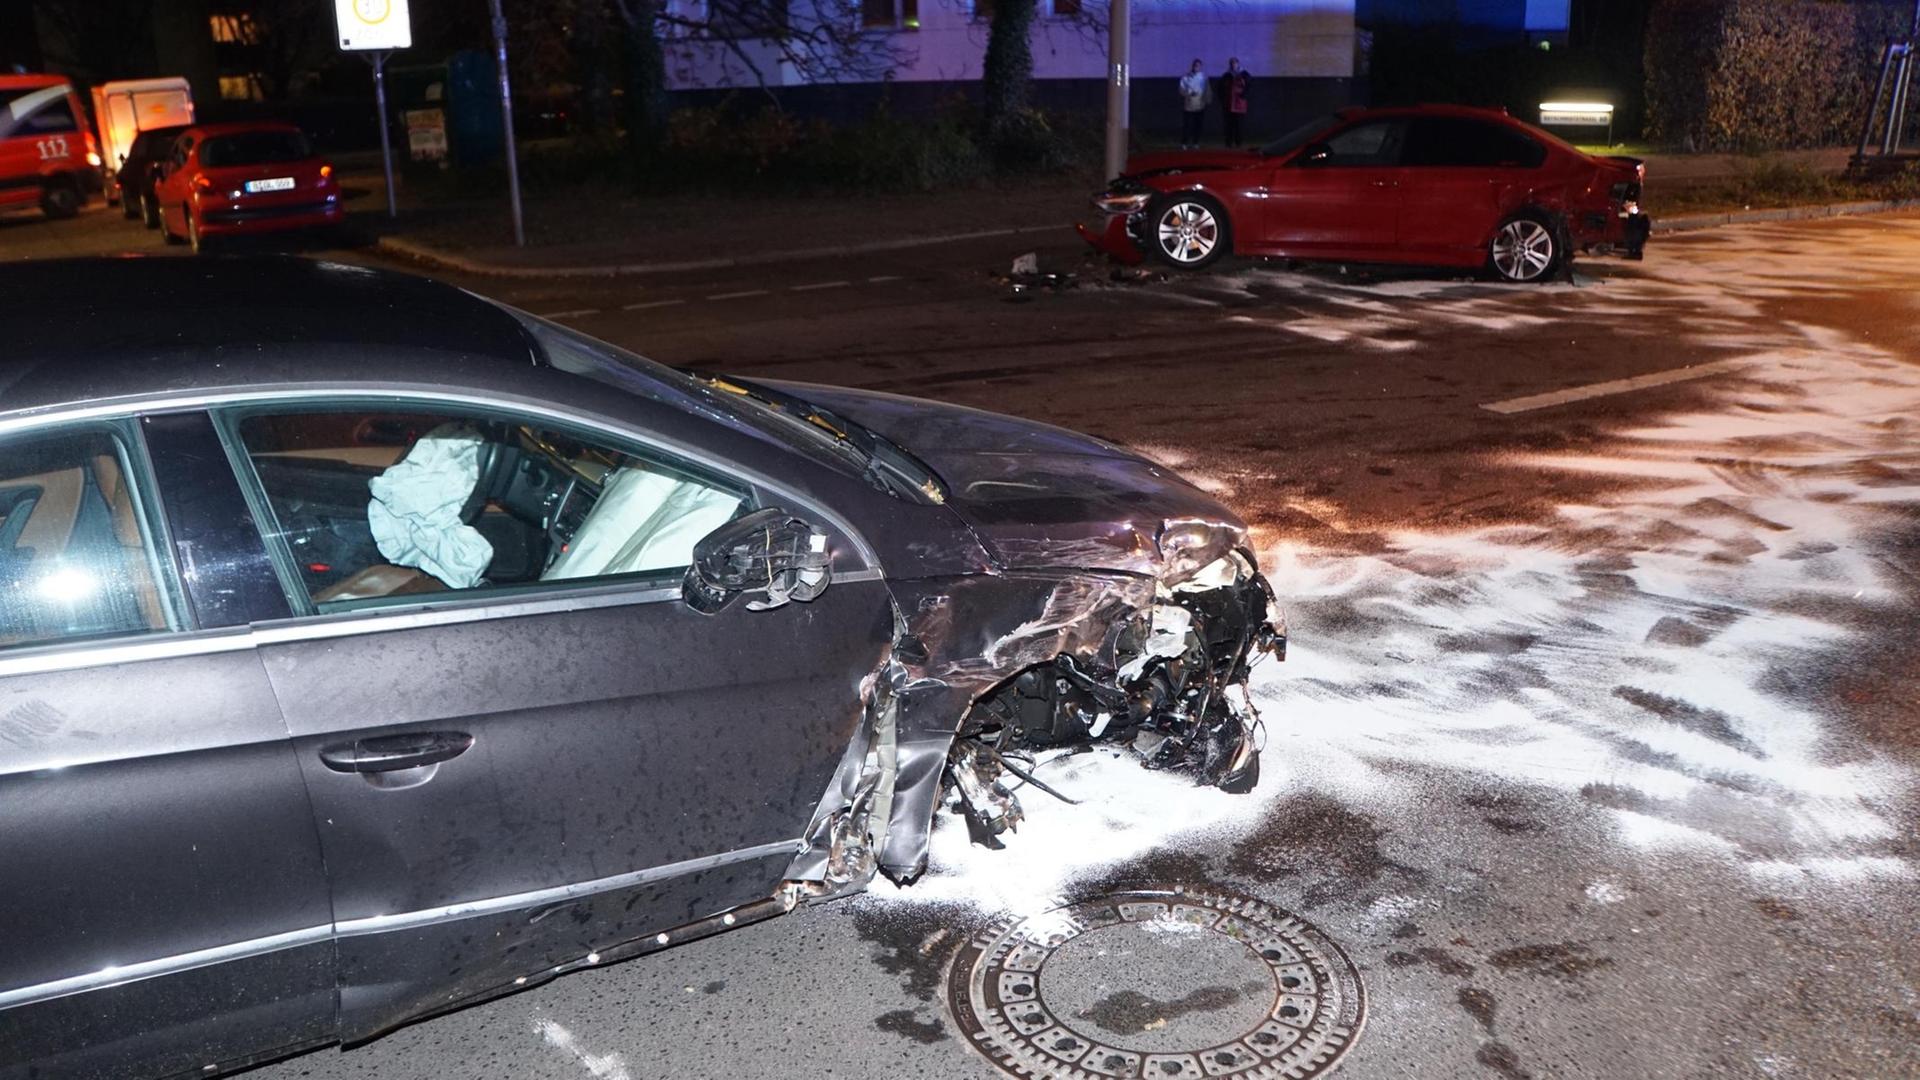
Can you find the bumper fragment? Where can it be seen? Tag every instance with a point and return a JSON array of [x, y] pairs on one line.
[[1113, 240]]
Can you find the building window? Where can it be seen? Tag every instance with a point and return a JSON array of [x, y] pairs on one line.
[[1058, 9], [890, 14], [747, 19], [240, 87], [233, 29]]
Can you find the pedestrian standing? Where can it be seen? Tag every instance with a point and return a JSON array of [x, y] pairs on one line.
[[1196, 93], [1233, 100]]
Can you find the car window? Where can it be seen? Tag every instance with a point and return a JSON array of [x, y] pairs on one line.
[[1375, 143], [1299, 136], [254, 148], [1442, 141], [77, 555], [377, 506], [51, 114]]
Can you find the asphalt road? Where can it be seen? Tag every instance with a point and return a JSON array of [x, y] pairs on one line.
[[1597, 745]]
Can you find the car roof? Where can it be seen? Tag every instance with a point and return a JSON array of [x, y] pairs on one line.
[[241, 127], [82, 330], [1478, 112]]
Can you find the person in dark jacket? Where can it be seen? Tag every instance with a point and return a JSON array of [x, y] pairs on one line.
[[1234, 86]]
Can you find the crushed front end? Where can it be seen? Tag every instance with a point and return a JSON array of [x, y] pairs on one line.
[[1122, 231], [1172, 690]]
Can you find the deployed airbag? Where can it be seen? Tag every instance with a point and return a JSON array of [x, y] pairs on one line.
[[415, 512], [643, 521]]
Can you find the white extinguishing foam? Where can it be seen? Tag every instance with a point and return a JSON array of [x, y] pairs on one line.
[[1633, 650], [598, 1066]]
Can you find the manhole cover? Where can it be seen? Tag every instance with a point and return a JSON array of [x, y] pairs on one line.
[[1157, 984]]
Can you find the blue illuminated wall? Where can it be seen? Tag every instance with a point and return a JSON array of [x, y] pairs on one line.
[[1482, 21]]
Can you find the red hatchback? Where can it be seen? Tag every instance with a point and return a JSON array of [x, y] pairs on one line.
[[1436, 185], [227, 179]]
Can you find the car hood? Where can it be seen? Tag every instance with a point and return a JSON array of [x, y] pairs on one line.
[[1043, 497], [1142, 165]]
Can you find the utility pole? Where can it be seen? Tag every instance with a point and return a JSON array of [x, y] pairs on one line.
[[1120, 84], [506, 121]]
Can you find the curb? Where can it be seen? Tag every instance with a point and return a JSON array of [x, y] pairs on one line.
[[1689, 222], [430, 256]]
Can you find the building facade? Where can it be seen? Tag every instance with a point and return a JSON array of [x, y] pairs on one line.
[[1301, 53]]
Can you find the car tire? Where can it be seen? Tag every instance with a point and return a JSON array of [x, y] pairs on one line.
[[60, 198], [1188, 231], [149, 210], [199, 242], [129, 206], [1525, 249]]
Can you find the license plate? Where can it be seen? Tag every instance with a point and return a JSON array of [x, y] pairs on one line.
[[278, 183]]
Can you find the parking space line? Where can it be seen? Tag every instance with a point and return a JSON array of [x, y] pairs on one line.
[[738, 295], [571, 314], [821, 285], [1614, 386], [650, 304], [882, 278]]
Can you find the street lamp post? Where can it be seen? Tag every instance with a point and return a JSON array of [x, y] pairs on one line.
[[1120, 84], [379, 60], [506, 121]]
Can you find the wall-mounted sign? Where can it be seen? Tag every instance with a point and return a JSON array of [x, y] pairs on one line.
[[373, 24]]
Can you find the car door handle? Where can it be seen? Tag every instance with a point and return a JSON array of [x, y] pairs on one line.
[[390, 752]]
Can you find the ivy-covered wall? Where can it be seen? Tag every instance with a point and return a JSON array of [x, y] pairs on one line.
[[1764, 74]]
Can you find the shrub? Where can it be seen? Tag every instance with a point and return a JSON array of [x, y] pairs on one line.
[[1762, 74]]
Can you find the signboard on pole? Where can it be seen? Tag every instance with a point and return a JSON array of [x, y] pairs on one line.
[[373, 24]]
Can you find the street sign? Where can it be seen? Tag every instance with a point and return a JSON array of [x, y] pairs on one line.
[[373, 24]]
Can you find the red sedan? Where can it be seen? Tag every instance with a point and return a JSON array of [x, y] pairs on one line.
[[227, 179], [1435, 185]]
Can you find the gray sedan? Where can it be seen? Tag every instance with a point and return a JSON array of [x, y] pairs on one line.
[[368, 649]]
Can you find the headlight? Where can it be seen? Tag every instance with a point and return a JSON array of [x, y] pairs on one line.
[[1122, 202], [1188, 546]]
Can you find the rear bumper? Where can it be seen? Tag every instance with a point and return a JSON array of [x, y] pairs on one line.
[[227, 220], [1623, 231]]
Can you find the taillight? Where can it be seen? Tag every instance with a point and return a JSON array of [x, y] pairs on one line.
[[202, 182], [326, 171]]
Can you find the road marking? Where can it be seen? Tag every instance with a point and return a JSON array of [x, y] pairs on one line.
[[1614, 386], [651, 304], [571, 314], [822, 285], [882, 278], [738, 295]]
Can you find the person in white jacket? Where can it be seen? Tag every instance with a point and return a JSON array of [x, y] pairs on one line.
[[1196, 93]]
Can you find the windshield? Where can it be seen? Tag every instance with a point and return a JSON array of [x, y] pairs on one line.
[[787, 422], [1295, 139], [254, 148]]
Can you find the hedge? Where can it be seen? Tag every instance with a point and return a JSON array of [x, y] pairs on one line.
[[1764, 74]]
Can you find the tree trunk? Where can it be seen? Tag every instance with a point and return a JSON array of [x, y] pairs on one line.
[[1006, 77], [646, 68], [592, 72]]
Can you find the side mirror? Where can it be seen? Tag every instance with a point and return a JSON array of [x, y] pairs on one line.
[[1316, 154], [768, 551]]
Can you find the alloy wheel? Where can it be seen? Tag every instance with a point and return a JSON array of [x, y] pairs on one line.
[[1522, 250], [1188, 232]]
